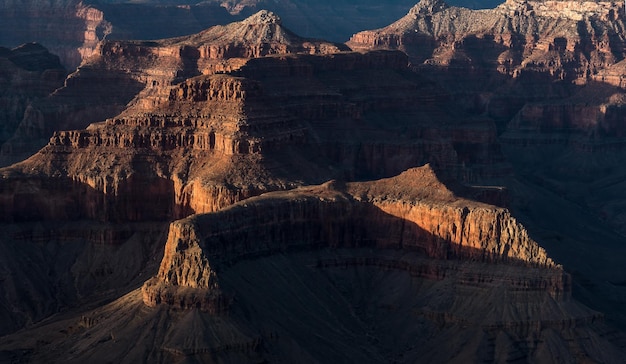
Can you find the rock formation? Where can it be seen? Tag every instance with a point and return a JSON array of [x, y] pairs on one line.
[[73, 28], [413, 211], [120, 71], [549, 74], [28, 73], [205, 143], [68, 28], [567, 40], [517, 52], [232, 133], [333, 262], [557, 69]]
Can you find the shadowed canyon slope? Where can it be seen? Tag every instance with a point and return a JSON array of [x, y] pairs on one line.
[[28, 73], [549, 74], [380, 266], [248, 195]]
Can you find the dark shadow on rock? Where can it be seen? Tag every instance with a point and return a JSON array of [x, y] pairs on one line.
[[88, 96], [67, 245]]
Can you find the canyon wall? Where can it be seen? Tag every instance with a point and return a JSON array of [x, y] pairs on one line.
[[413, 211], [29, 73], [68, 28], [548, 73], [304, 106], [72, 28], [143, 72], [401, 265], [496, 60], [565, 39]]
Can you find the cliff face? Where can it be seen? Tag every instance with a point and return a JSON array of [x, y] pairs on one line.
[[72, 28], [549, 73], [565, 39], [249, 109], [28, 73], [496, 60], [68, 28], [120, 72], [271, 123], [413, 211], [194, 141], [406, 224]]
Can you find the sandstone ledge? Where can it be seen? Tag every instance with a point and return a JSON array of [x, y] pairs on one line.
[[418, 214]]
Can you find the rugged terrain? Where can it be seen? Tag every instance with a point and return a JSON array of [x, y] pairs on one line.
[[29, 73], [72, 28], [248, 195], [76, 27], [549, 74], [120, 72], [390, 269]]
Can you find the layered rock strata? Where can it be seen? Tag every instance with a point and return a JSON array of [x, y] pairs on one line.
[[143, 72], [549, 73], [290, 108], [565, 39], [496, 60], [69, 28], [402, 255], [413, 211]]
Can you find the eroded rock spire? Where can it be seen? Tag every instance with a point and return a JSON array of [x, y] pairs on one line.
[[429, 7]]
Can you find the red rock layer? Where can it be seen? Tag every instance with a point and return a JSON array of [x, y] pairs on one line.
[[304, 108], [412, 211], [142, 73]]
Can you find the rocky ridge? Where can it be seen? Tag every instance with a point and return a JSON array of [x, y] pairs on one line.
[[526, 51], [404, 254], [122, 71], [76, 27], [371, 214], [542, 36]]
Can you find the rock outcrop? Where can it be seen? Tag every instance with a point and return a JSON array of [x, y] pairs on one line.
[[197, 141], [413, 211], [549, 73], [73, 28], [68, 28], [302, 110], [566, 40], [496, 60], [232, 131], [120, 71]]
